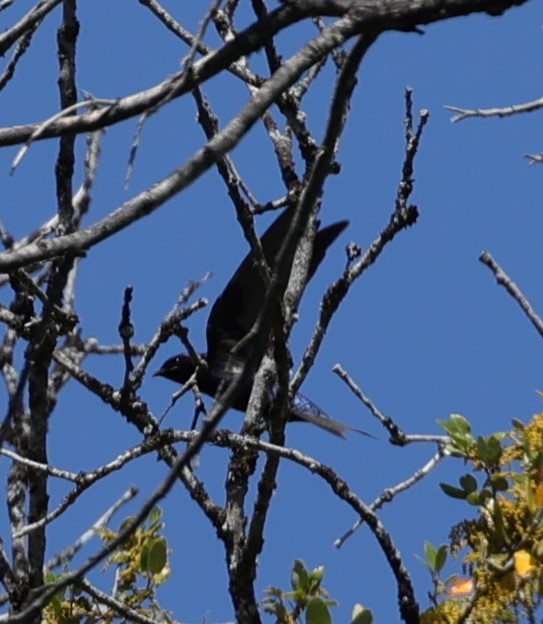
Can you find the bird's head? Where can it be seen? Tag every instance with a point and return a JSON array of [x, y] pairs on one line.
[[178, 368]]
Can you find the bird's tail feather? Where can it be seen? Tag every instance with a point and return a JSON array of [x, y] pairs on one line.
[[303, 409]]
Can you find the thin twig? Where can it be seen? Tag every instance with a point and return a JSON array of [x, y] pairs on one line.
[[42, 128], [47, 468], [397, 435], [390, 493], [504, 280], [189, 59], [506, 111], [128, 614], [67, 554]]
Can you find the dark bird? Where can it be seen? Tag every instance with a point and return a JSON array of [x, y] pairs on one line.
[[234, 314]]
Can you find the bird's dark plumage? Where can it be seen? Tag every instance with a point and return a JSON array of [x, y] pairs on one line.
[[233, 315]]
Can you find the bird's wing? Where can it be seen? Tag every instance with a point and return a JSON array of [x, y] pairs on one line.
[[235, 311]]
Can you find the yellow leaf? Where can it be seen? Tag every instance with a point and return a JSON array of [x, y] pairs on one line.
[[462, 587], [539, 495], [525, 564]]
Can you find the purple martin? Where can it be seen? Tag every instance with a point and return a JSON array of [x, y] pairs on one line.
[[233, 315]]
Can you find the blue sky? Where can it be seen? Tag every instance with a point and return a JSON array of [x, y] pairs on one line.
[[426, 332]]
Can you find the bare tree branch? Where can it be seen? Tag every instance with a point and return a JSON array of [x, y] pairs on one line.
[[506, 111], [504, 280]]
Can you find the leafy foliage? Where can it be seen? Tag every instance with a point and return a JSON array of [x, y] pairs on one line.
[[502, 547], [309, 597], [141, 566]]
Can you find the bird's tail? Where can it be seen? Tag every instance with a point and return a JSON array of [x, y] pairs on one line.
[[303, 409]]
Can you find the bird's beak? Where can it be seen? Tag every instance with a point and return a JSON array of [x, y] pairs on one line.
[[159, 372]]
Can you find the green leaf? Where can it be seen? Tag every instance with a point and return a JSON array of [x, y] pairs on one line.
[[50, 578], [154, 556], [300, 577], [430, 552], [315, 579], [361, 615], [126, 522], [441, 557], [475, 499], [155, 515], [454, 450], [481, 449], [317, 612], [435, 557], [456, 425], [298, 596], [517, 424], [468, 483], [494, 449], [459, 431], [452, 491], [499, 482], [489, 450]]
